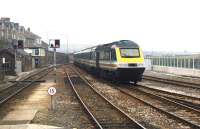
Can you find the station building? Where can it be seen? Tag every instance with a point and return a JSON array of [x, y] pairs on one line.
[[34, 55]]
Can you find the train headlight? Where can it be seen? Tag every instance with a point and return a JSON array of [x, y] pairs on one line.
[[123, 65], [140, 65]]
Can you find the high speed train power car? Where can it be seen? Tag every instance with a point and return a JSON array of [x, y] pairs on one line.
[[121, 60]]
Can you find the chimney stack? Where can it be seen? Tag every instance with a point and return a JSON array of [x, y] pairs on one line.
[[29, 30]]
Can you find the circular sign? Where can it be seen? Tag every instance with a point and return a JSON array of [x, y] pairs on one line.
[[52, 90]]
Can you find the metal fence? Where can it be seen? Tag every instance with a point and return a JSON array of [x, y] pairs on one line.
[[189, 62], [1, 71], [6, 68]]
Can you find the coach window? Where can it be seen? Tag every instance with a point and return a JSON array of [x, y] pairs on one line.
[[107, 55], [93, 55], [101, 53]]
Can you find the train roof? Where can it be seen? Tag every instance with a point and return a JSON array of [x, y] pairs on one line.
[[120, 44]]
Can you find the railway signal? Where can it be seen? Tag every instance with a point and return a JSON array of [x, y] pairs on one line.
[[57, 43], [54, 43], [20, 44]]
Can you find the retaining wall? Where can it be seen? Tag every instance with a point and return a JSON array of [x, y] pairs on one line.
[[178, 71]]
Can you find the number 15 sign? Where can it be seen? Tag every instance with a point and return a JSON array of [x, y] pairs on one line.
[[52, 90]]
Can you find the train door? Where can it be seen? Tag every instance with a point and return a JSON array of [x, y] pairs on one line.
[[97, 60]]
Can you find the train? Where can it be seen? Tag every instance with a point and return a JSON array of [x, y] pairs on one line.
[[121, 61]]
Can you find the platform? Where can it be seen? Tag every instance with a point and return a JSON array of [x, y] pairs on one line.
[[29, 126], [20, 76], [172, 76]]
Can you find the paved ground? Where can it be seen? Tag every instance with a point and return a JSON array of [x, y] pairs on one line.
[[21, 110], [68, 112], [32, 106], [20, 76], [173, 76], [29, 126]]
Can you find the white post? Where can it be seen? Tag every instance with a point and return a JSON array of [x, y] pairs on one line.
[[55, 63], [184, 62], [189, 63], [192, 62], [177, 61], [15, 60], [174, 61]]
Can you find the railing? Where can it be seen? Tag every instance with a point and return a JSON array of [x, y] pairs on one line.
[[6, 68], [189, 62]]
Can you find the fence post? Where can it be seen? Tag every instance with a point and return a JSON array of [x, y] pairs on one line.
[[177, 61], [193, 62], [174, 61]]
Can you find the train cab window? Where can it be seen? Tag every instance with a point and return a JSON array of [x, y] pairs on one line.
[[130, 52]]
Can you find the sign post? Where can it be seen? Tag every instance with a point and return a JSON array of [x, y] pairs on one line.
[[54, 43], [55, 63], [3, 60], [52, 91]]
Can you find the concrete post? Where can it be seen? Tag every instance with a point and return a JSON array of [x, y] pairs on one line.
[[192, 62], [174, 61], [189, 63], [177, 61], [55, 63]]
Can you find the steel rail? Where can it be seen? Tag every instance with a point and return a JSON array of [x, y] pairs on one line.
[[173, 82], [195, 126], [139, 126], [166, 94], [83, 104], [27, 77], [187, 103], [23, 87]]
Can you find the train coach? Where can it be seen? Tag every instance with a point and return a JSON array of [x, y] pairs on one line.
[[121, 60]]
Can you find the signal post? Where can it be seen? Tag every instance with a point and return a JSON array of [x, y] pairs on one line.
[[54, 43]]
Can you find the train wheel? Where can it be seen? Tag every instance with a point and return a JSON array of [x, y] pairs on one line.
[[135, 83]]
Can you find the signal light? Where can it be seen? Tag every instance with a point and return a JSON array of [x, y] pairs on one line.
[[57, 43], [54, 43], [20, 44], [51, 46]]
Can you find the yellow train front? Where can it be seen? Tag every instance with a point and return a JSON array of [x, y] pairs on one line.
[[121, 60]]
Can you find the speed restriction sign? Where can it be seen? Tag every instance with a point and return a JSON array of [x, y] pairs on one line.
[[52, 90]]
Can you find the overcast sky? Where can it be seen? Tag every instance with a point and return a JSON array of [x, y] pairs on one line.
[[156, 25]]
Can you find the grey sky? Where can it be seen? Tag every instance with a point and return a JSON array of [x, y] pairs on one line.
[[157, 25]]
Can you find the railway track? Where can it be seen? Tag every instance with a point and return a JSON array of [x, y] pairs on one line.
[[181, 124], [187, 100], [17, 87], [103, 113], [173, 82], [178, 111]]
